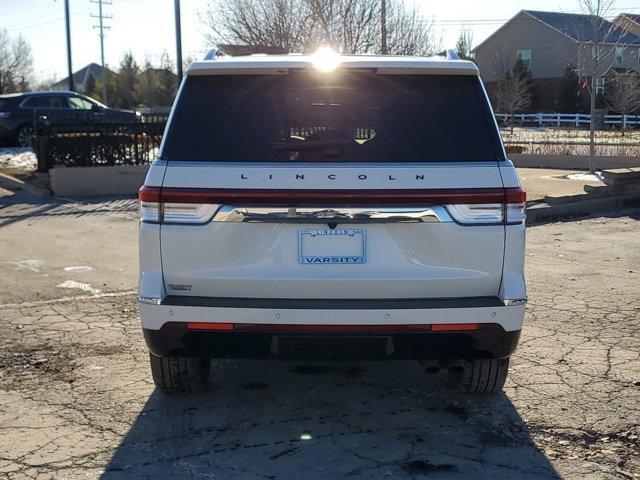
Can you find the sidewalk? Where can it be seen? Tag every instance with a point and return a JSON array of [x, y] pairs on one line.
[[541, 182]]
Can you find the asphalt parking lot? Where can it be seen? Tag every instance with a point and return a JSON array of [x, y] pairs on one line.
[[76, 401]]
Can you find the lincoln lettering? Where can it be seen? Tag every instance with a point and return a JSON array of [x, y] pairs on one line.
[[333, 176]]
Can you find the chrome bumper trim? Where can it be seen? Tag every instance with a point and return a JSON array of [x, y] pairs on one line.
[[515, 301], [150, 300], [342, 215]]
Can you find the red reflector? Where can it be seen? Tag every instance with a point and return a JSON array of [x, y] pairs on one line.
[[149, 194], [209, 326], [454, 327], [304, 198], [516, 195]]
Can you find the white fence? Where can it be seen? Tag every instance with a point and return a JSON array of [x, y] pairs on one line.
[[568, 119]]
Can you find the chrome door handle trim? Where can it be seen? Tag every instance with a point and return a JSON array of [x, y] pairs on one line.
[[433, 214]]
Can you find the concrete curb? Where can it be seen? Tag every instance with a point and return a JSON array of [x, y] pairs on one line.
[[543, 212], [12, 183]]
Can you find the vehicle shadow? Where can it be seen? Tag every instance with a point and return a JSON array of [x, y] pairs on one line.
[[286, 420], [32, 209]]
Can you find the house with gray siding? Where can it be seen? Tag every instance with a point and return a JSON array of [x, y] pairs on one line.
[[548, 43]]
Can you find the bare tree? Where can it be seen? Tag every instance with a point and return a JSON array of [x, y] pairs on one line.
[[409, 32], [348, 26], [16, 63], [622, 94], [514, 91], [598, 52], [286, 25]]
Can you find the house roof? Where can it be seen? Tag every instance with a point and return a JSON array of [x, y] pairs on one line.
[[633, 16], [81, 75], [581, 27], [576, 26]]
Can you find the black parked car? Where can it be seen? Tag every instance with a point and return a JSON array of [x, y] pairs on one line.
[[19, 110]]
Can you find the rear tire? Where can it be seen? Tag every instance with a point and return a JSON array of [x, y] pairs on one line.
[[484, 375], [181, 374]]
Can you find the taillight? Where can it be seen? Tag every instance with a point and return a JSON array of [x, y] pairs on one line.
[[158, 207], [511, 210], [149, 204], [516, 205], [480, 214]]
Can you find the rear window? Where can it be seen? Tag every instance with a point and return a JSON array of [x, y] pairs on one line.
[[351, 116]]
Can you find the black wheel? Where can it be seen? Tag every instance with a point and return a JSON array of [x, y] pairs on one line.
[[180, 374], [484, 376], [23, 136]]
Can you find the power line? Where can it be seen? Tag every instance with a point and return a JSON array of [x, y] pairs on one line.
[[39, 24]]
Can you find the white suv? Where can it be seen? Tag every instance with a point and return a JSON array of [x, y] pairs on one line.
[[332, 207]]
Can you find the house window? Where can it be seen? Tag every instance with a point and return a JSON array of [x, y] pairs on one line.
[[525, 56], [599, 85], [619, 55]]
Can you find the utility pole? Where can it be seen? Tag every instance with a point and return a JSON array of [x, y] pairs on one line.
[[383, 27], [101, 25], [68, 27], [178, 40]]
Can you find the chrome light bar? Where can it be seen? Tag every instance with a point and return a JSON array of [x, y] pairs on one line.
[[435, 214]]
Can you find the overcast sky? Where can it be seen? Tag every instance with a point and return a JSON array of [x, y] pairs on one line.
[[146, 26]]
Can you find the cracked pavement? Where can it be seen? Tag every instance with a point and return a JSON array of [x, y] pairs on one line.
[[77, 401]]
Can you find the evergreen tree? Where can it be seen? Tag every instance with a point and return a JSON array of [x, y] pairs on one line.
[[464, 45], [514, 90], [521, 70], [167, 82], [569, 99], [147, 87], [126, 82], [90, 86]]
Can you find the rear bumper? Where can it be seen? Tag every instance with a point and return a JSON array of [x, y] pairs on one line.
[[377, 329], [174, 339]]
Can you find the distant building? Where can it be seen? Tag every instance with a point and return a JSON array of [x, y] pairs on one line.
[[80, 78], [548, 43]]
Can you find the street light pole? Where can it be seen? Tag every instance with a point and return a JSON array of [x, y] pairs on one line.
[[178, 40], [68, 28]]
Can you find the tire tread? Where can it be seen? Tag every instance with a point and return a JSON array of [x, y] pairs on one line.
[[180, 374], [484, 375]]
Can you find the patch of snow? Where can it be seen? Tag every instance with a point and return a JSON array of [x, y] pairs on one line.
[[31, 265], [79, 269], [18, 158], [586, 177], [79, 285]]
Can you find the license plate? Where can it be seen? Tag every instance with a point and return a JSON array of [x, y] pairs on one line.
[[338, 246]]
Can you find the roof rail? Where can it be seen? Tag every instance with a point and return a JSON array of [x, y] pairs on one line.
[[451, 54], [214, 54]]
